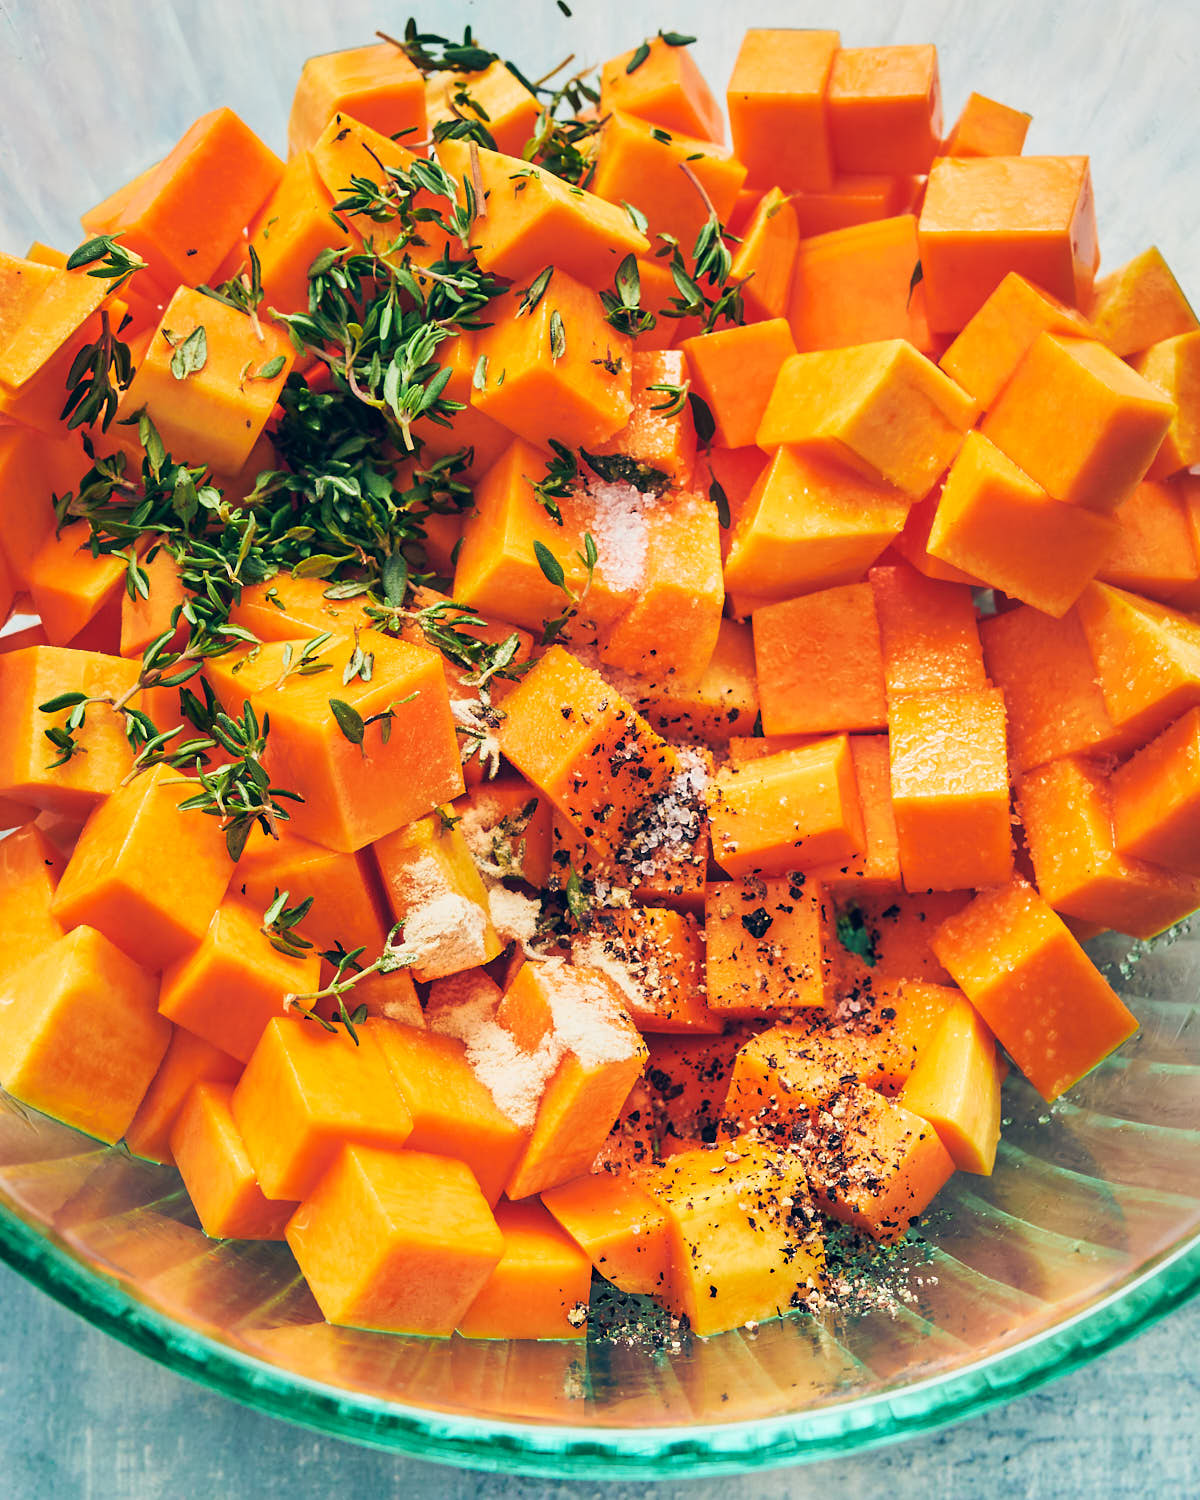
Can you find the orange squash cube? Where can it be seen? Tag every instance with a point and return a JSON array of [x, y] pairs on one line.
[[666, 88], [469, 428], [37, 674], [882, 408], [855, 286], [999, 525], [146, 875], [928, 633], [856, 198], [541, 1286], [1079, 421], [1173, 365], [30, 867], [497, 569], [950, 790], [578, 1012], [1066, 809], [1156, 799], [987, 128], [618, 1226], [183, 216], [778, 111], [733, 371], [426, 865], [656, 957], [674, 622], [398, 1241], [955, 1087], [1140, 304], [210, 1154], [878, 866], [1154, 552], [229, 987], [1042, 997], [797, 809], [808, 524], [69, 587], [912, 544], [213, 414], [346, 905], [721, 705], [580, 743], [376, 84], [1054, 704], [80, 1038], [1146, 658], [819, 662], [494, 95], [452, 1112], [188, 1060], [765, 260], [997, 338], [742, 1249], [534, 219], [987, 215], [875, 1165], [767, 945], [885, 109], [306, 1093], [408, 759], [558, 370], [639, 163], [290, 230]]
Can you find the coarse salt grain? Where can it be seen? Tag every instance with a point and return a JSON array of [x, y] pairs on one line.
[[618, 524]]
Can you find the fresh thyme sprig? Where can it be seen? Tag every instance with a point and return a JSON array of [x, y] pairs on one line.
[[281, 922], [108, 259], [99, 373], [240, 793], [703, 289], [554, 572], [622, 305], [348, 972]]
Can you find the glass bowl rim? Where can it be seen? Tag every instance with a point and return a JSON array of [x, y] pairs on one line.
[[565, 1451]]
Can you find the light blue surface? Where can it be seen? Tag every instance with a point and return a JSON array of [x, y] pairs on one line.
[[82, 1416]]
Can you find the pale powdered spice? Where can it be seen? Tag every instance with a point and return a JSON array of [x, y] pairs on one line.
[[442, 930], [515, 1079], [597, 953], [514, 915], [618, 524], [586, 1021]]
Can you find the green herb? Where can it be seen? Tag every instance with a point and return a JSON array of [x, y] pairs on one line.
[[108, 259], [636, 217], [676, 39], [431, 53], [622, 305], [349, 720], [618, 468], [348, 972], [98, 374], [716, 493], [855, 936], [240, 794], [559, 481], [638, 58], [191, 354], [914, 281], [555, 574], [558, 336], [280, 922], [676, 397], [535, 291], [703, 289]]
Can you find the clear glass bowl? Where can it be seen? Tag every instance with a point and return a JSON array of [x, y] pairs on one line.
[[1090, 1227]]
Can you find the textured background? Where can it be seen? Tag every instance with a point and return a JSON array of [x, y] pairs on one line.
[[90, 93], [84, 1417]]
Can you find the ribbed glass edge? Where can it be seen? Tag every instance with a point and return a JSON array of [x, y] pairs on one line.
[[600, 1453]]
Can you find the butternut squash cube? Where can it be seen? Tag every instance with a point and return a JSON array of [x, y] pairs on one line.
[[80, 1038], [210, 1154], [1080, 422], [778, 111], [214, 413], [541, 1286], [1033, 984], [376, 84], [557, 370], [146, 875], [882, 408], [398, 1241]]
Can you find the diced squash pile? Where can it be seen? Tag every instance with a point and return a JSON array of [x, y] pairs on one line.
[[588, 683]]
